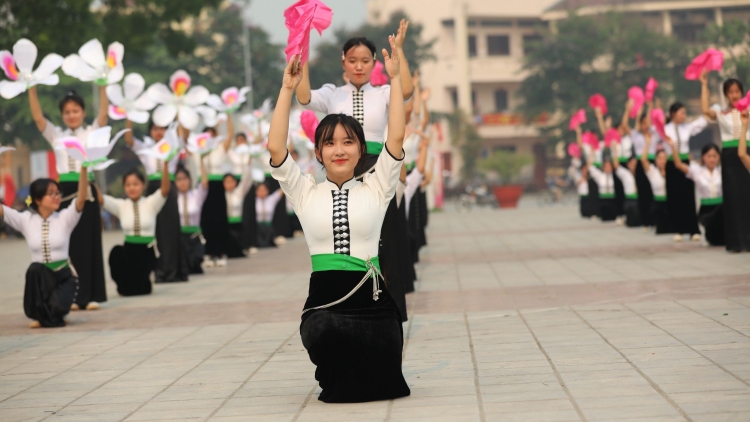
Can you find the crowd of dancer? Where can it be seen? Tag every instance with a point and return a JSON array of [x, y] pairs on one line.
[[353, 186], [643, 173]]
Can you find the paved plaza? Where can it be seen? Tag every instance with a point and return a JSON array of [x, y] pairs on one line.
[[522, 315]]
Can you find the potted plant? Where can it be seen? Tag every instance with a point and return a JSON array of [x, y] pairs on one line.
[[506, 166]]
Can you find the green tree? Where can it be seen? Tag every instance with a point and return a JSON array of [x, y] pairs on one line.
[[326, 68], [605, 54], [465, 137], [734, 38]]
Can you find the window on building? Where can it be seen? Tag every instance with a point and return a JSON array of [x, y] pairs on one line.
[[688, 32], [454, 98], [498, 45], [474, 99], [472, 45], [448, 23], [501, 100], [495, 23], [530, 42]]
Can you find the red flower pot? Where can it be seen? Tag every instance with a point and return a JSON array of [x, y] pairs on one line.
[[508, 196]]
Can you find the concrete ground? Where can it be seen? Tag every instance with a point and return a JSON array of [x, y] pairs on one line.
[[524, 315]]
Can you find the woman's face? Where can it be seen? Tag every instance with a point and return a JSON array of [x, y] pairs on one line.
[[733, 94], [262, 191], [644, 125], [51, 200], [340, 154], [679, 116], [240, 139], [358, 64], [182, 182], [711, 159], [134, 187], [607, 167], [73, 115], [661, 160], [157, 133], [230, 183]]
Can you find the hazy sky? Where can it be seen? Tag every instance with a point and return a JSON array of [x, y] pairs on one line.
[[269, 15]]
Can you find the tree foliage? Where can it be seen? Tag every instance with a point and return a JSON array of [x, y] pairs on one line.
[[466, 139], [734, 37], [326, 68], [606, 54]]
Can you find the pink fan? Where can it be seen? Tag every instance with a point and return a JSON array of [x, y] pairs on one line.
[[709, 60], [577, 118], [612, 135], [378, 77], [657, 119], [321, 19], [651, 86], [590, 139], [574, 150], [299, 32], [635, 93], [598, 100], [309, 122], [743, 104]]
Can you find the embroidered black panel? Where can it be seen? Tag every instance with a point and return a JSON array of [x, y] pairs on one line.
[[340, 218]]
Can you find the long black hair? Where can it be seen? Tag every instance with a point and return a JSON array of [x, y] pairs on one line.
[[327, 127], [674, 108], [38, 190], [708, 147], [357, 41], [72, 96], [730, 83], [133, 172], [181, 169]]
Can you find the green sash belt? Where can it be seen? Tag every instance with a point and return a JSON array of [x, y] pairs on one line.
[[190, 229], [268, 175], [624, 159], [73, 176], [712, 201], [139, 240], [650, 156], [584, 196], [410, 166], [374, 147], [660, 198], [339, 262], [265, 223], [598, 165], [606, 195], [57, 265], [215, 177], [234, 220], [631, 196], [732, 143], [683, 156], [157, 176]]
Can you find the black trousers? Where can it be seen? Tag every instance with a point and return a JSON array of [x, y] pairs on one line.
[[711, 218], [172, 264], [681, 201], [49, 294], [193, 249], [736, 186], [645, 195], [131, 266]]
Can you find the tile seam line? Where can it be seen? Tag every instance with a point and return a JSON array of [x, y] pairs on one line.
[[212, 414], [188, 371], [554, 368], [690, 347], [403, 353], [46, 354], [304, 403], [119, 375], [712, 319], [62, 372], [734, 301], [651, 382], [474, 364]]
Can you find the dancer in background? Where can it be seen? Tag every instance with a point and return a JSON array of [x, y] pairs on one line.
[[742, 145], [605, 183], [358, 98], [241, 157], [86, 240], [131, 264], [579, 174], [236, 191], [657, 174], [265, 208], [631, 215], [352, 333], [51, 285], [707, 178], [171, 265], [638, 137], [681, 198], [190, 202], [214, 224], [735, 178]]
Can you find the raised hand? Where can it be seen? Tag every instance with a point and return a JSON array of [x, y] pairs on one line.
[[401, 34], [704, 77], [292, 73], [392, 61], [744, 118]]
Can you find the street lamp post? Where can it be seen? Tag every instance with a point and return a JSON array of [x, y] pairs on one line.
[[245, 5]]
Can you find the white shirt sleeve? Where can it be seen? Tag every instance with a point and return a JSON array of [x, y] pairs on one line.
[[693, 171], [294, 184], [112, 205], [156, 201], [412, 184], [384, 179], [717, 109], [70, 216], [697, 125], [201, 194], [137, 145], [50, 133], [595, 172], [321, 99], [15, 219], [622, 173]]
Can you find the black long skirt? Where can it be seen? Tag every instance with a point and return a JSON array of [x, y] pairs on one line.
[[711, 218], [172, 264], [405, 244], [415, 228], [214, 224], [49, 294], [193, 248], [86, 248], [681, 201], [619, 195], [608, 209], [736, 185], [632, 213], [661, 217], [237, 239], [365, 164], [645, 196], [249, 220], [356, 345], [266, 235], [424, 214], [594, 197], [131, 265], [587, 210], [394, 256]]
